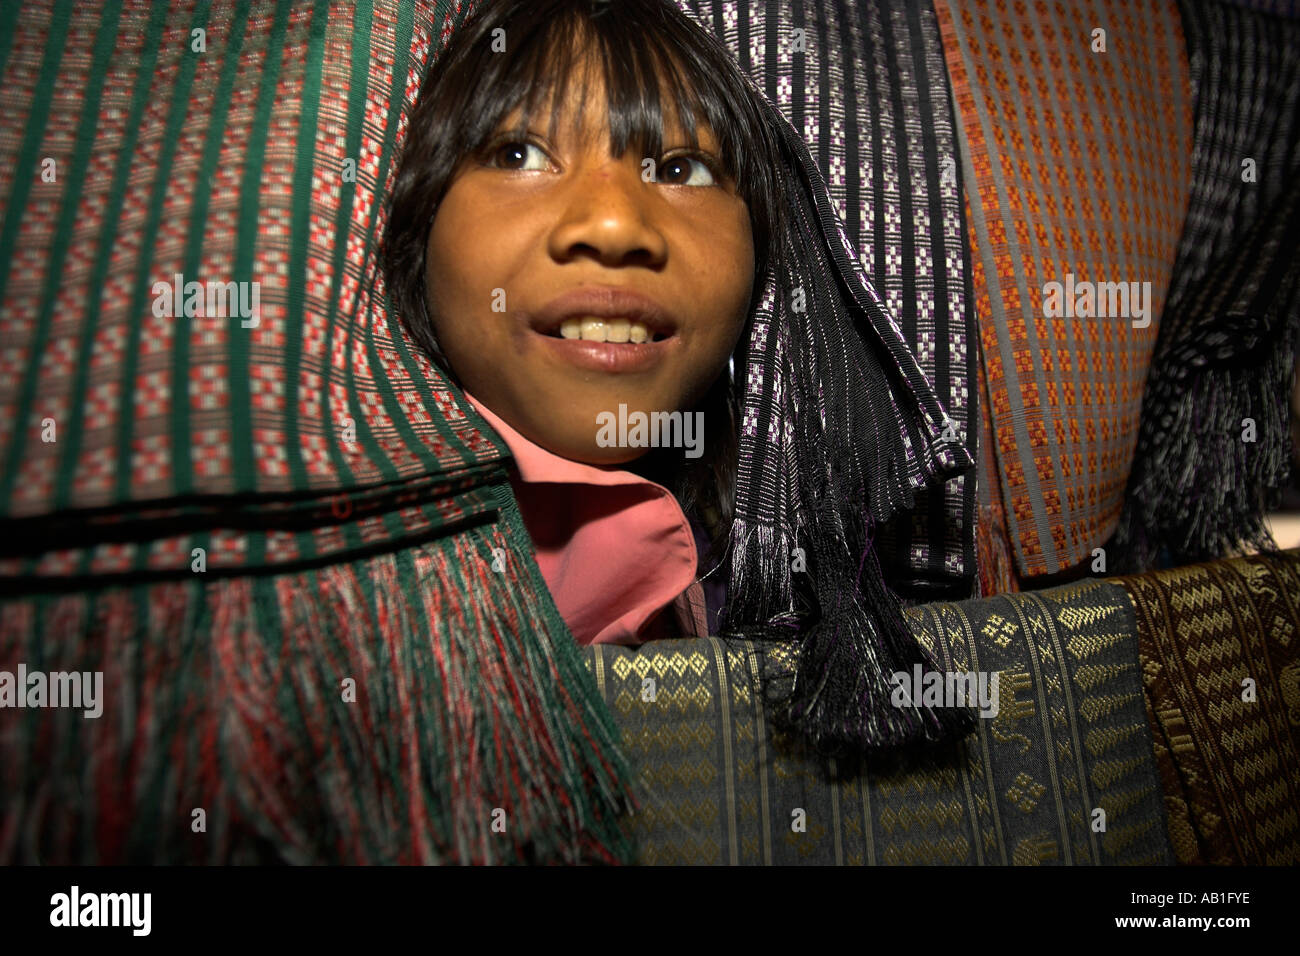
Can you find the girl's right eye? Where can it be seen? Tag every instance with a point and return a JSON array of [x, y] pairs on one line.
[[516, 155]]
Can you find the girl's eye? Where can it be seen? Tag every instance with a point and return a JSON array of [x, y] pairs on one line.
[[517, 156], [686, 171]]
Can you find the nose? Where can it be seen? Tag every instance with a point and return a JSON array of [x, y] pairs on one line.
[[607, 216]]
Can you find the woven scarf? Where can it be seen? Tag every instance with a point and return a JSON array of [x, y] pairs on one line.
[[1070, 735], [1229, 767], [868, 90], [839, 432], [286, 543], [1215, 444], [1077, 165]]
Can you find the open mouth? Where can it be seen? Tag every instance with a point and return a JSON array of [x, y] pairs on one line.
[[629, 344], [610, 331]]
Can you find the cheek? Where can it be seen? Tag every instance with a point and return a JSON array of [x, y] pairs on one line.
[[729, 255], [722, 249], [460, 274], [446, 273]]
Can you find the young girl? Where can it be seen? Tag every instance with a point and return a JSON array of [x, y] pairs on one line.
[[596, 217]]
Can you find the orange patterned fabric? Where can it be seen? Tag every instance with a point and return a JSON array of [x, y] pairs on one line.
[[1077, 163]]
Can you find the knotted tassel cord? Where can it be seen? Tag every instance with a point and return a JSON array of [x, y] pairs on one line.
[[822, 417]]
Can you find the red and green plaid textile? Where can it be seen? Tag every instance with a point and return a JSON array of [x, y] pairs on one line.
[[232, 516], [259, 158], [376, 710], [1077, 164]]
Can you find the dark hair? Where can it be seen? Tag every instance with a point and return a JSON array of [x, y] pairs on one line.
[[470, 88]]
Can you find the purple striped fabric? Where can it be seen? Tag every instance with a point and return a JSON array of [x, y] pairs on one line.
[[865, 85]]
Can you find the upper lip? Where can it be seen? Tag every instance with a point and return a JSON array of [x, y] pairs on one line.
[[606, 302]]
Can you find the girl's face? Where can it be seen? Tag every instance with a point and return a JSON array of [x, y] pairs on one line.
[[534, 220]]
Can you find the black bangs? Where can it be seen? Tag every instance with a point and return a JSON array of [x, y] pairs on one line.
[[647, 51], [524, 54], [653, 69]]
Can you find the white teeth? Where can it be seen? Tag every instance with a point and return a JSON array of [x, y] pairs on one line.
[[617, 330], [595, 329]]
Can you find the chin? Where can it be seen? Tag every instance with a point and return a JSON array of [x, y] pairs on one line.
[[595, 455]]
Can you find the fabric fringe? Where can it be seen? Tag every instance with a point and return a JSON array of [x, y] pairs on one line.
[[838, 440], [476, 734], [760, 579], [1200, 487], [1203, 486], [842, 696], [996, 570], [1215, 486]]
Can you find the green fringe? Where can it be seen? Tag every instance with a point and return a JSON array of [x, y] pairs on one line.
[[227, 695]]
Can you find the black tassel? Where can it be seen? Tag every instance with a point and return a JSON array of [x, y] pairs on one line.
[[842, 699], [1215, 440], [832, 403]]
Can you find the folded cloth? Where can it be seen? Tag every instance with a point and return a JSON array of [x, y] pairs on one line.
[[1220, 650], [865, 84], [1063, 773], [1214, 447], [1075, 132], [286, 542]]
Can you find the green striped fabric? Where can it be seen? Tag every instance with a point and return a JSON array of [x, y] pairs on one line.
[[250, 504], [246, 143]]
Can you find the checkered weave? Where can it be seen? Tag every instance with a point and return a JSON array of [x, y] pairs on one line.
[[261, 160], [1077, 162], [1283, 8]]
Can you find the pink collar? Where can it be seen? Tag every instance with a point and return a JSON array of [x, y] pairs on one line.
[[615, 549]]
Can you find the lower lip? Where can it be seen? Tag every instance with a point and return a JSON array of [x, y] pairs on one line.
[[609, 356]]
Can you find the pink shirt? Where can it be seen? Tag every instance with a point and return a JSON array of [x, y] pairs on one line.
[[616, 550]]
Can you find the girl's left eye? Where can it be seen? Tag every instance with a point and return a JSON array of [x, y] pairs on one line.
[[518, 155], [686, 171]]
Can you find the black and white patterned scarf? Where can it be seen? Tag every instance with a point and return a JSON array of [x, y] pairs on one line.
[[840, 432], [866, 86]]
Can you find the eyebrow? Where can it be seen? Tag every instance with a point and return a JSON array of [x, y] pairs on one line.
[[705, 138]]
